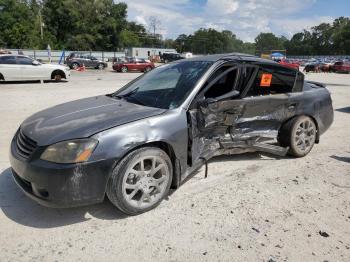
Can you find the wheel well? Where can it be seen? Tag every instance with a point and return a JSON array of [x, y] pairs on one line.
[[167, 148], [315, 121], [60, 72]]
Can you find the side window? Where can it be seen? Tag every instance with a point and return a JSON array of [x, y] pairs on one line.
[[7, 60], [223, 85], [24, 60], [272, 80]]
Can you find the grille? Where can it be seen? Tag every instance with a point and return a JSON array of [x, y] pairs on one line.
[[25, 145]]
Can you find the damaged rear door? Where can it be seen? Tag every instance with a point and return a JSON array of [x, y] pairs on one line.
[[243, 105]]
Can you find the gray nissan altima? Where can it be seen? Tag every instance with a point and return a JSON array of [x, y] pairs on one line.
[[135, 144]]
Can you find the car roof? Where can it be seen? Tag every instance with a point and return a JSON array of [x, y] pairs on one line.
[[232, 56], [2, 55]]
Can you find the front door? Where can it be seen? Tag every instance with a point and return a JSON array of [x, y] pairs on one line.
[[29, 71]]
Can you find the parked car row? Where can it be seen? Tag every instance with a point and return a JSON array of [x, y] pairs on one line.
[[337, 67]]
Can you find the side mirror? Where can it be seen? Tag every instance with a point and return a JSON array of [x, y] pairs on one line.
[[35, 63]]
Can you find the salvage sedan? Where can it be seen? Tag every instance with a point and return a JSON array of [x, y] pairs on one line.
[[136, 143]]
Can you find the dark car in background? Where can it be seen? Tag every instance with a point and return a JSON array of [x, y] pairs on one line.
[[133, 64], [170, 57], [76, 60], [134, 144]]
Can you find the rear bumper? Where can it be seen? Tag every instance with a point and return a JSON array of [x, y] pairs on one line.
[[61, 185]]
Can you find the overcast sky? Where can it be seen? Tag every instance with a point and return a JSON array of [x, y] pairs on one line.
[[246, 18]]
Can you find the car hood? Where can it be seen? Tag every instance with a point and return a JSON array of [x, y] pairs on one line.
[[83, 118]]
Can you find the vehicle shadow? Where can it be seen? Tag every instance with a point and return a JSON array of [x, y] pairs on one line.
[[341, 158], [31, 82], [344, 109], [21, 209], [231, 158]]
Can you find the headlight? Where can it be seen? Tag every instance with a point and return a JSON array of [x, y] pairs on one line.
[[67, 152]]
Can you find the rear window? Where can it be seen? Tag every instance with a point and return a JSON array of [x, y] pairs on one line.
[[338, 63]]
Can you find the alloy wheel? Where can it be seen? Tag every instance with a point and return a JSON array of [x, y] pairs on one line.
[[145, 181]]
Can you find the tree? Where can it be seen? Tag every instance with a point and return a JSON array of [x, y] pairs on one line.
[[18, 24], [266, 42]]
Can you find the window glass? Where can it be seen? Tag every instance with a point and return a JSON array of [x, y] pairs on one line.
[[166, 86], [8, 60], [223, 85], [272, 80], [24, 60]]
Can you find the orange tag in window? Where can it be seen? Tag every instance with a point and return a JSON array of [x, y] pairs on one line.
[[266, 80]]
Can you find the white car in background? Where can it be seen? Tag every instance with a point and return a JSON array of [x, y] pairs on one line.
[[20, 68]]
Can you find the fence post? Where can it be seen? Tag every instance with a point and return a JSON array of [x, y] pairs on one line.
[[34, 54]]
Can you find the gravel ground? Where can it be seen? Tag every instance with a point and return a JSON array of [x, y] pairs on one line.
[[252, 207]]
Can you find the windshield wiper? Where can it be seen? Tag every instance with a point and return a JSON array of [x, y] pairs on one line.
[[127, 94]]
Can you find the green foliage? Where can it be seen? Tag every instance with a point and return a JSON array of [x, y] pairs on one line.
[[103, 25], [211, 41]]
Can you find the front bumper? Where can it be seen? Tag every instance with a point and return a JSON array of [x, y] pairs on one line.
[[60, 185]]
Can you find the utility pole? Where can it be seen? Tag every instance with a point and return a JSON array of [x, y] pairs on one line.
[[41, 25], [153, 24]]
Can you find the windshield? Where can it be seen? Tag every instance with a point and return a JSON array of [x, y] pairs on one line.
[[166, 86]]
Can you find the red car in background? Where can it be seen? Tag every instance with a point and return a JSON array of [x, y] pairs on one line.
[[133, 64], [290, 64], [341, 67]]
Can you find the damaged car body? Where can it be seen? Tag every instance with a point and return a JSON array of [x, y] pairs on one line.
[[136, 143]]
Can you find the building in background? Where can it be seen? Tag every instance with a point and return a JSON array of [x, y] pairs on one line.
[[147, 53]]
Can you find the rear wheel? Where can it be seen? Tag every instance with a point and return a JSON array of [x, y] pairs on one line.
[[140, 181], [148, 68], [2, 77], [75, 66], [101, 66], [299, 134], [124, 69]]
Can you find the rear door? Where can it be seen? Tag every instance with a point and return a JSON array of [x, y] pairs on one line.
[[267, 103], [9, 68]]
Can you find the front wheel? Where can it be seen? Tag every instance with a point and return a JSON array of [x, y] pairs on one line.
[[299, 134], [147, 69], [140, 181], [124, 69]]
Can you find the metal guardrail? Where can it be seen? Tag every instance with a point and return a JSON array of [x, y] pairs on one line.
[[56, 54]]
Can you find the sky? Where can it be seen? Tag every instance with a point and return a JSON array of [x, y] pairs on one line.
[[245, 18]]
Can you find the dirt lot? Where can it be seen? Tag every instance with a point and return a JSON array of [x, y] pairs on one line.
[[252, 207]]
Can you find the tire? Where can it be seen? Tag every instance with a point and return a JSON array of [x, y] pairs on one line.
[[166, 61], [134, 191], [147, 69], [57, 75], [299, 134], [100, 66], [124, 69], [2, 77], [75, 66]]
